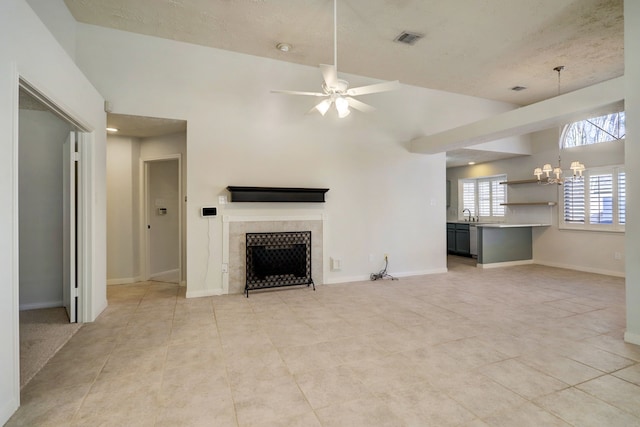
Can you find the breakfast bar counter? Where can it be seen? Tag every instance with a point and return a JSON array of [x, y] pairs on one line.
[[505, 244]]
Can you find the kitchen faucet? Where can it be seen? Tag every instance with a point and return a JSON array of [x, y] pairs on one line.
[[469, 219]]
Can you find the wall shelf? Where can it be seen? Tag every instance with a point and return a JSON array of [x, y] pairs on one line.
[[521, 181], [529, 204]]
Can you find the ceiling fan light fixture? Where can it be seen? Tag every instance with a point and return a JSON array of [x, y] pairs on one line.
[[324, 106], [343, 114], [334, 90], [342, 105]]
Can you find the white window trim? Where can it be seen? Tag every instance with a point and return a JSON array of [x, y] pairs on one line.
[[476, 210], [615, 227]]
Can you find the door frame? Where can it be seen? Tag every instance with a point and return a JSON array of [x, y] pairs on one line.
[[84, 208], [145, 212]]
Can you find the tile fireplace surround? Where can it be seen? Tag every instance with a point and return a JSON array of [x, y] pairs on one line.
[[234, 243]]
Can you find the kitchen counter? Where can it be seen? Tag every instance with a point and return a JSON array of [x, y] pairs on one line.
[[505, 244], [504, 225]]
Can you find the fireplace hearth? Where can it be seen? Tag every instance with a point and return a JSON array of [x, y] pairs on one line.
[[278, 259]]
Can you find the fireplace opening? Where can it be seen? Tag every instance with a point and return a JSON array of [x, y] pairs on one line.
[[278, 259]]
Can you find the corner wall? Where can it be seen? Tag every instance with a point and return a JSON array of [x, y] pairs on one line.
[[122, 167], [34, 54]]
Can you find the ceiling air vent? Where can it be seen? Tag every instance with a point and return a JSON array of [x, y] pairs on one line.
[[408, 38]]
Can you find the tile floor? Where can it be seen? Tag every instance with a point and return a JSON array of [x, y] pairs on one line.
[[520, 346]]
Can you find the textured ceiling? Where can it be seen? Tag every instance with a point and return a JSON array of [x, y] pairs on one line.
[[480, 48], [474, 47]]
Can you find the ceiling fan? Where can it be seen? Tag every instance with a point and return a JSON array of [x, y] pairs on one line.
[[336, 91]]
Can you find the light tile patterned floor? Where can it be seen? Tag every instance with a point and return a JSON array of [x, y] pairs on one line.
[[520, 346]]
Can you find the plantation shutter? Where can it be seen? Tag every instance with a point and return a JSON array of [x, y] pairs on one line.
[[601, 199], [622, 198], [497, 197], [469, 196], [574, 201], [484, 198]]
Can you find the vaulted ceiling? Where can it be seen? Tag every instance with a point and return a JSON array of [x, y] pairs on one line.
[[475, 47], [481, 48]]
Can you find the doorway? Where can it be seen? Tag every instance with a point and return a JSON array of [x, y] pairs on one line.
[[49, 231], [162, 194], [146, 183]]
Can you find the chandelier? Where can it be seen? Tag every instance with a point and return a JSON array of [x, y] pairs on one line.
[[576, 167]]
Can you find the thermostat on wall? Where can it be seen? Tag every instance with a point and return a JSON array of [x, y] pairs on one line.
[[208, 211]]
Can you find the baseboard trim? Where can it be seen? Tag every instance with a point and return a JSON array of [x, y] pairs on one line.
[[164, 273], [39, 305], [581, 268], [632, 338], [124, 280], [505, 264], [351, 279]]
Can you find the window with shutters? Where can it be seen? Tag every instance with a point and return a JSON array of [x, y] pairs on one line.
[[483, 197], [597, 202]]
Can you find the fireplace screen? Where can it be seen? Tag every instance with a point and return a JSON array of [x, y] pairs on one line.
[[278, 259]]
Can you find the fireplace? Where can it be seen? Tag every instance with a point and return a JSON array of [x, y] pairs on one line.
[[278, 259]]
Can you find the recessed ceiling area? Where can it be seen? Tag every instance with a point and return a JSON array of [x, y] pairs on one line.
[[463, 156], [144, 127]]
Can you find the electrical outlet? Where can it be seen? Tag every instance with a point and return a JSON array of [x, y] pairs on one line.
[[617, 255], [336, 264], [386, 256]]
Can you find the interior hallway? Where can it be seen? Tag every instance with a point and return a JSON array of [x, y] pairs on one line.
[[526, 345]]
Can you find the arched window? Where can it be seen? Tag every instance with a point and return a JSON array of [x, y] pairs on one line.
[[593, 131]]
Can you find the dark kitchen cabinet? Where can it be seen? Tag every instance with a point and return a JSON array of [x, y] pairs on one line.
[[458, 242]]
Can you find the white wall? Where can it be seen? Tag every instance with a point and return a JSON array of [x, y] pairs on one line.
[[34, 54], [42, 135], [382, 198], [632, 162], [123, 265], [552, 246], [62, 25]]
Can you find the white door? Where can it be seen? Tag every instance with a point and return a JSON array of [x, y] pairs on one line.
[[69, 282]]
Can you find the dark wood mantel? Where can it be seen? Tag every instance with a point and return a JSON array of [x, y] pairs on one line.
[[277, 194]]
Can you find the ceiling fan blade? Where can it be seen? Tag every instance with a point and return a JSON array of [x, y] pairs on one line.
[[295, 92], [330, 75], [359, 105], [375, 88]]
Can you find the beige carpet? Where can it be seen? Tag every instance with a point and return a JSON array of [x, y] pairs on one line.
[[42, 333]]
